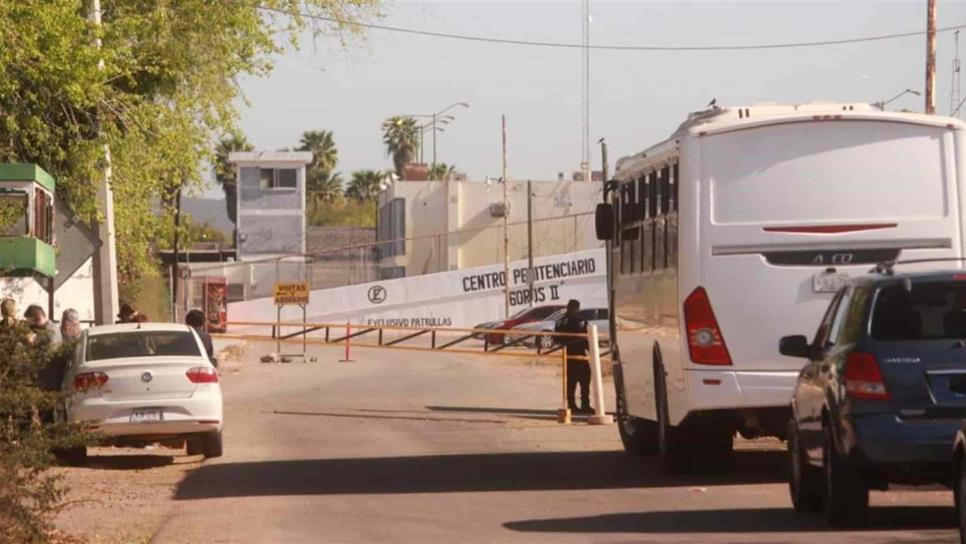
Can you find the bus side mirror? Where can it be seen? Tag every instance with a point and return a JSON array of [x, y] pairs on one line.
[[604, 221]]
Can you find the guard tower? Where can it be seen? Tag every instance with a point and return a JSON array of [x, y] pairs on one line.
[[27, 222]]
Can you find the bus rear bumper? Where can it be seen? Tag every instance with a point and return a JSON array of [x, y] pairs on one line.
[[730, 389]]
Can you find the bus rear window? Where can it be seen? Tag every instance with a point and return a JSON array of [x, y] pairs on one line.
[[928, 311], [826, 171]]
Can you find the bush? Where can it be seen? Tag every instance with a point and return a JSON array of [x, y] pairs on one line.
[[29, 494], [343, 213]]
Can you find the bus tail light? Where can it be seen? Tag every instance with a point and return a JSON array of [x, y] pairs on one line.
[[705, 341], [863, 378]]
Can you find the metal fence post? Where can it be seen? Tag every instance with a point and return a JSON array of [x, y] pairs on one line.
[[563, 415]]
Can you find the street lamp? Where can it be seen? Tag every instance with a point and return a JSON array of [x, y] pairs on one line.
[[423, 130], [881, 104]]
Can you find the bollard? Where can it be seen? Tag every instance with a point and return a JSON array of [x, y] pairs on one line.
[[600, 417], [563, 415], [348, 332]]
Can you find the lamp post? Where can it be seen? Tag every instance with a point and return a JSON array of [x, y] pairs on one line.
[[881, 104], [436, 119]]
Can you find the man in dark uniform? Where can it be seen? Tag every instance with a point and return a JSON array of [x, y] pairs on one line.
[[578, 370]]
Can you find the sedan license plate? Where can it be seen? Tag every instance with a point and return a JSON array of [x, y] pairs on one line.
[[829, 282], [145, 415]]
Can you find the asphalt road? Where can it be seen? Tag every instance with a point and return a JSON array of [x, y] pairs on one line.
[[415, 447]]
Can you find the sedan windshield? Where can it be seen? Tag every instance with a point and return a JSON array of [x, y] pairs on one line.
[[141, 344]]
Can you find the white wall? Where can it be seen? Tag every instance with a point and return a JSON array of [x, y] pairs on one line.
[[438, 206], [77, 293], [446, 299]]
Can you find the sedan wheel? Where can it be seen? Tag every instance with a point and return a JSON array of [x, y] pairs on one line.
[[211, 445]]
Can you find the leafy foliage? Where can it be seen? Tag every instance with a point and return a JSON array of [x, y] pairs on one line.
[[29, 495], [400, 134], [344, 213], [364, 185], [225, 171], [160, 90], [321, 183], [442, 171]]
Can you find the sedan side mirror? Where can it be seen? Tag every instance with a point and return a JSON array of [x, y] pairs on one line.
[[604, 221], [795, 346]]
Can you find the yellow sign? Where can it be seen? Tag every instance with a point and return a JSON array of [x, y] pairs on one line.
[[292, 292]]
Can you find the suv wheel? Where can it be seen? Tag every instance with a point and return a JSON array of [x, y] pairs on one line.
[[846, 494], [804, 480]]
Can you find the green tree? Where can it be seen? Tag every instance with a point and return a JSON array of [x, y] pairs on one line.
[[322, 183], [29, 493], [364, 185], [442, 171], [400, 134], [225, 171], [328, 188], [164, 84]]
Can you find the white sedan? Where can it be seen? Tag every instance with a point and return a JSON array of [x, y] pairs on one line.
[[596, 316], [139, 384]]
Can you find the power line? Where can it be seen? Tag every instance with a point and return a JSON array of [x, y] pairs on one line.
[[567, 45]]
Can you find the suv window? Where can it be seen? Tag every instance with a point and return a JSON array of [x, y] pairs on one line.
[[825, 327], [932, 310]]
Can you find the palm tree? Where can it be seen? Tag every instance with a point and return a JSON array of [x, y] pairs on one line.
[[401, 136], [225, 171], [319, 171], [364, 184], [442, 171], [328, 187]]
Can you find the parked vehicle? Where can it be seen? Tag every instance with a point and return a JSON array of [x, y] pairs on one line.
[[596, 316], [882, 395], [526, 315], [741, 226], [145, 383]]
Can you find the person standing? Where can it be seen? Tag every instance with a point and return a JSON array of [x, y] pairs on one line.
[[70, 328], [41, 326], [8, 313], [196, 320], [578, 369]]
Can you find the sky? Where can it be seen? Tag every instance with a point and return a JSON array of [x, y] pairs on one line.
[[637, 98]]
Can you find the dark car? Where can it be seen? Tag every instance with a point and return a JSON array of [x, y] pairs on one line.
[[527, 315], [880, 399]]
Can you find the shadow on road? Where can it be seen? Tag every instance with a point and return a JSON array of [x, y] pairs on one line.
[[524, 413], [757, 520], [128, 462], [456, 473]]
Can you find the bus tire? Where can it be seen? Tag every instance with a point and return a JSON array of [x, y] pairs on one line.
[[673, 443], [638, 435]]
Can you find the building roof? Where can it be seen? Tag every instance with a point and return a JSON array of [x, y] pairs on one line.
[[270, 157], [26, 172]]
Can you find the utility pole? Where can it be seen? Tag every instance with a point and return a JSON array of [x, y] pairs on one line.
[[585, 92], [530, 274], [506, 227], [175, 268], [105, 259], [931, 57], [434, 143]]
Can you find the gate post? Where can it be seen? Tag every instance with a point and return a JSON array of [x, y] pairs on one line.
[[563, 415], [599, 417]]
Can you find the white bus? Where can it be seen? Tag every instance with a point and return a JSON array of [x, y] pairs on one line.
[[738, 229]]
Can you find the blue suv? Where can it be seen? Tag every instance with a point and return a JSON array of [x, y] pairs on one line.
[[882, 395]]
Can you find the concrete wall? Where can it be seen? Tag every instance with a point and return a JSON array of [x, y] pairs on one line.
[[437, 206], [77, 293], [270, 220]]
